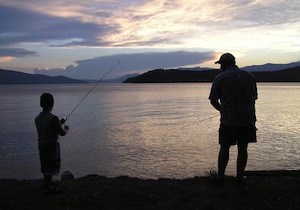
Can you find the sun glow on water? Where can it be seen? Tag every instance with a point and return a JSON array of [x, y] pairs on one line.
[[144, 130]]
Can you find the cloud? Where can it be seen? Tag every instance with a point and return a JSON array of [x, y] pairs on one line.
[[55, 29], [266, 13], [26, 26], [9, 54], [152, 23], [129, 63], [15, 52]]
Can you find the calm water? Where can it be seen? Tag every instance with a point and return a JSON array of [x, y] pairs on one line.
[[144, 130]]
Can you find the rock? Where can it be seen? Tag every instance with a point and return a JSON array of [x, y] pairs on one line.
[[67, 175]]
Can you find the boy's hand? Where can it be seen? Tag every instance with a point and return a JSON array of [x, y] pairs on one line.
[[67, 127]]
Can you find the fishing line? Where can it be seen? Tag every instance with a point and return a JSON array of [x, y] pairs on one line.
[[92, 89], [208, 118]]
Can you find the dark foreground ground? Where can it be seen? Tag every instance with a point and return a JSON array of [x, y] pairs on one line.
[[263, 190]]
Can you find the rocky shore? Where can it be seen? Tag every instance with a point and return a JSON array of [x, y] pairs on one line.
[[262, 190]]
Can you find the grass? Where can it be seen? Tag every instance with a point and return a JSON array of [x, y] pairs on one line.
[[212, 172]]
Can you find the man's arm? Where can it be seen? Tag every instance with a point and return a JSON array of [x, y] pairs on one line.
[[214, 96], [216, 104]]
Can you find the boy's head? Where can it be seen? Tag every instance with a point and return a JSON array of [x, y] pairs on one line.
[[46, 101]]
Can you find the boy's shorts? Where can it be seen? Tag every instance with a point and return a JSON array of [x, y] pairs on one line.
[[231, 135], [50, 158]]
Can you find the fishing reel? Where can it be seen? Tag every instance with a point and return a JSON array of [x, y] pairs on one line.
[[63, 120]]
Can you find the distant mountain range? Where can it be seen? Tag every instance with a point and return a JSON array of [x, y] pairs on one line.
[[271, 67], [291, 74], [8, 77], [264, 73]]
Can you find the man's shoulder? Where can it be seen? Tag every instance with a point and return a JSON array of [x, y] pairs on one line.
[[222, 75], [237, 70], [229, 73], [247, 73]]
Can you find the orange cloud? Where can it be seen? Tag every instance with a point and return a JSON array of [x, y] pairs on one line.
[[6, 59]]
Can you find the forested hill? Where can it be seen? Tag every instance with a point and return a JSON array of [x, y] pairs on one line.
[[8, 77], [174, 75]]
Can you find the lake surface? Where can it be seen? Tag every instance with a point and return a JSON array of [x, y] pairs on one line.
[[144, 130]]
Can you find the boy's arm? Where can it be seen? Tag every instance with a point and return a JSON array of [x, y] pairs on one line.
[[58, 128]]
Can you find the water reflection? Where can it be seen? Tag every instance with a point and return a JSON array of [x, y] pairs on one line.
[[144, 130]]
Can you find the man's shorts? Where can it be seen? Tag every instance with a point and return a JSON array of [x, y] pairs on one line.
[[231, 135]]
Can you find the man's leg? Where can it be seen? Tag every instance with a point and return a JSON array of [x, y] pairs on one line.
[[241, 160], [223, 160], [47, 180]]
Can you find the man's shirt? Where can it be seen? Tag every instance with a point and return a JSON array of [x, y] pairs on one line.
[[236, 91]]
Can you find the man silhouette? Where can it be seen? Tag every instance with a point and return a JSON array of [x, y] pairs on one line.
[[233, 93]]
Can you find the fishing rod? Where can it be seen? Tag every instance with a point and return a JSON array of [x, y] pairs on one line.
[[91, 90]]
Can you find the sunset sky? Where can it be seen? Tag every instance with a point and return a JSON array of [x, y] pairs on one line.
[[84, 39]]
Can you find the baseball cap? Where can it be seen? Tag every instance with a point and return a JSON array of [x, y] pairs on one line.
[[226, 58]]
